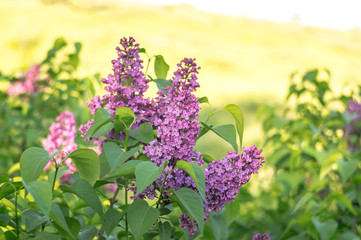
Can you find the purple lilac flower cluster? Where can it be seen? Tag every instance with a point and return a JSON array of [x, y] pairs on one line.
[[125, 87], [175, 118], [353, 130], [29, 85], [224, 178], [174, 115], [259, 236], [62, 136]]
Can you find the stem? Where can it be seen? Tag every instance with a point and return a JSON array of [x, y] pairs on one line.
[[112, 201], [16, 215], [146, 69], [126, 206], [56, 173], [161, 190]]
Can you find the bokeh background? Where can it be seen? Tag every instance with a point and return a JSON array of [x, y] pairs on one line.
[[247, 51], [245, 57]]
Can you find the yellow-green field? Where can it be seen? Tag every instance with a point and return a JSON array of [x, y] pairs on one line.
[[243, 61]]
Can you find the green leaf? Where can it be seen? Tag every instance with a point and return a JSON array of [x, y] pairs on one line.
[[326, 165], [58, 217], [33, 219], [191, 202], [162, 84], [125, 119], [112, 152], [85, 191], [145, 174], [74, 225], [102, 124], [87, 164], [32, 162], [196, 173], [41, 192], [10, 235], [9, 188], [141, 50], [203, 100], [227, 132], [144, 133], [208, 158], [304, 199], [46, 236], [89, 232], [219, 225], [347, 236], [58, 44], [342, 199], [60, 173], [111, 220], [126, 170], [104, 165], [141, 217], [126, 155], [165, 230], [325, 229], [160, 67], [236, 112], [346, 168], [4, 179]]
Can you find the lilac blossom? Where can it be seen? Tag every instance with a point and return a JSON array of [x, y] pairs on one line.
[[62, 136], [353, 130], [125, 87], [224, 178], [176, 120], [30, 84], [259, 236]]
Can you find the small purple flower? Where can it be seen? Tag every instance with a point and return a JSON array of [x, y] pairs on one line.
[[259, 236]]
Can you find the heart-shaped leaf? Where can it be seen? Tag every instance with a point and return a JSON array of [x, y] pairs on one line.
[[346, 168], [32, 162], [145, 174], [165, 230], [160, 67], [41, 192], [326, 229], [192, 203], [84, 190], [144, 133], [141, 217], [87, 164]]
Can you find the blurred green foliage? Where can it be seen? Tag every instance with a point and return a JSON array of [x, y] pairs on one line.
[[26, 115], [315, 193]]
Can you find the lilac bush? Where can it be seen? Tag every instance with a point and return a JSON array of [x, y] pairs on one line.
[[147, 148], [174, 116]]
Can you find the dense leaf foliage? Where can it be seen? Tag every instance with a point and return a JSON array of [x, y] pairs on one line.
[[315, 144]]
